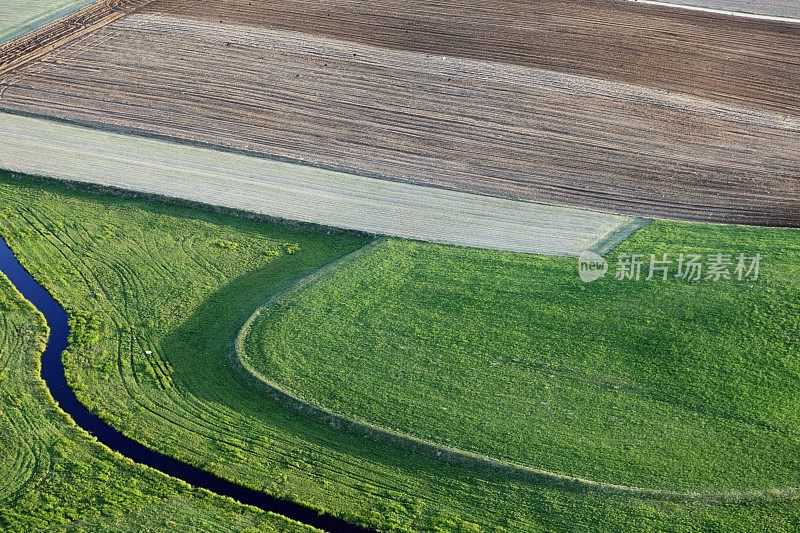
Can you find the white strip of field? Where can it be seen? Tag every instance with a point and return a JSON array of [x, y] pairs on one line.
[[770, 10], [296, 192], [19, 17]]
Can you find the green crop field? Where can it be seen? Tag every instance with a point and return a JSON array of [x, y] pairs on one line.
[[139, 275], [52, 475], [675, 385]]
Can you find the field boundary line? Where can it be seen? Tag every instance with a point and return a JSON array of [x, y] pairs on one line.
[[455, 455], [616, 236], [717, 11], [43, 20], [46, 39]]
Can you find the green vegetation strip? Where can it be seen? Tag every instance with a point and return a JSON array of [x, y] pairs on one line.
[[139, 276], [689, 389]]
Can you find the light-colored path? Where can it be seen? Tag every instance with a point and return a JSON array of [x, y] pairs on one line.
[[18, 17], [776, 10], [285, 190]]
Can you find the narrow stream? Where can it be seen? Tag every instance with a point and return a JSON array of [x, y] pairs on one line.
[[54, 377]]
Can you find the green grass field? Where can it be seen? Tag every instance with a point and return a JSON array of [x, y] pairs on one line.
[[670, 385], [53, 476], [139, 275]]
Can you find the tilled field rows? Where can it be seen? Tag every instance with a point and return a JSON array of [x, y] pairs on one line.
[[500, 129], [637, 110], [723, 58], [297, 192]]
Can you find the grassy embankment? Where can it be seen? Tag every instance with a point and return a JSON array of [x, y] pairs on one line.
[[671, 385], [53, 476], [139, 275]]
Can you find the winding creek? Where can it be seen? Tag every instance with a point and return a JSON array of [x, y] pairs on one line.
[[55, 378]]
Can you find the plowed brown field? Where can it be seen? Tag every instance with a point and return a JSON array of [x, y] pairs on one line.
[[633, 109]]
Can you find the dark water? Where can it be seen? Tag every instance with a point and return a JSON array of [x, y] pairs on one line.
[[53, 374]]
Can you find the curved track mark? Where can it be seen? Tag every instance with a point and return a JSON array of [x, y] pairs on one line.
[[55, 378], [456, 455]]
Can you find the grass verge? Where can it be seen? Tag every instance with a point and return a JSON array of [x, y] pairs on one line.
[[142, 276]]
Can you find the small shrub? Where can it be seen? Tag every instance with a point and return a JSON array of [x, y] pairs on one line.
[[84, 329], [291, 248], [225, 244]]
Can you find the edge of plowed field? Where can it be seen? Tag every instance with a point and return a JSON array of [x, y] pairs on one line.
[[45, 39], [377, 433], [615, 237], [39, 21], [726, 11]]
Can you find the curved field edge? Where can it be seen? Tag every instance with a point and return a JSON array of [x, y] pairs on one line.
[[71, 478], [656, 360], [419, 445], [342, 473], [83, 323]]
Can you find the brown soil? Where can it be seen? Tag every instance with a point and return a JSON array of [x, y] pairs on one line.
[[619, 107], [708, 55]]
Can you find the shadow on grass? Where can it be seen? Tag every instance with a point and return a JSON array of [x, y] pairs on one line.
[[200, 353]]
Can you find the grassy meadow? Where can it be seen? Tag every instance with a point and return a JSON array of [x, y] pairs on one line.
[[139, 275], [676, 385], [55, 477]]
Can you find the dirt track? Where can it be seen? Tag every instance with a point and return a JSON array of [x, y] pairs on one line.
[[552, 101]]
